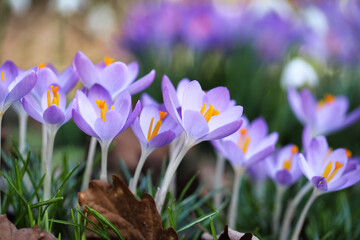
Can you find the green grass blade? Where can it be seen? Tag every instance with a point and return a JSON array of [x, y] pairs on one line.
[[212, 227], [196, 221], [171, 218], [186, 188], [47, 202]]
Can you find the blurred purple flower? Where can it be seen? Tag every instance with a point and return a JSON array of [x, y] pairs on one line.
[[14, 84], [249, 145], [282, 165], [203, 116], [116, 77], [328, 169]]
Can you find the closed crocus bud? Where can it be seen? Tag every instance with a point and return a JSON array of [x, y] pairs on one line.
[[297, 73]]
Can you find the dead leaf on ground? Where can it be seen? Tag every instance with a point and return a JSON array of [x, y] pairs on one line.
[[135, 219], [8, 231], [230, 234]]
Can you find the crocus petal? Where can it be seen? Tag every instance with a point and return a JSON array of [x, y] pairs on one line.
[[320, 183], [54, 115], [68, 111], [304, 166], [21, 88], [123, 104], [218, 97], [68, 79], [147, 113], [85, 108], [351, 178], [224, 130], [111, 127], [10, 71], [259, 155], [234, 154], [82, 124], [257, 130], [3, 94], [146, 100], [318, 149], [46, 77], [170, 100], [114, 78], [133, 71], [195, 124], [193, 97], [308, 103], [228, 116], [86, 70], [296, 104], [283, 177], [98, 92], [162, 139], [32, 108], [142, 83], [353, 117], [138, 131], [181, 88], [133, 115]]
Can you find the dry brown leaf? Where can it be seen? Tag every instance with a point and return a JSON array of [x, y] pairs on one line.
[[135, 219], [230, 234], [8, 231]]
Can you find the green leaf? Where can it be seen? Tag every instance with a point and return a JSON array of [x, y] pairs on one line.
[[212, 227], [200, 219]]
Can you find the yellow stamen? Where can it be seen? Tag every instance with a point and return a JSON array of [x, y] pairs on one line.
[[103, 108], [56, 97], [287, 164], [294, 150], [244, 140], [328, 169], [154, 132], [108, 60], [329, 98], [2, 76], [41, 65], [209, 113], [348, 153], [203, 109], [112, 107]]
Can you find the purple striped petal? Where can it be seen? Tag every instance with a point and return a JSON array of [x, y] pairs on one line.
[[86, 70], [111, 127], [68, 79], [162, 139], [133, 71], [133, 115], [170, 100], [195, 124], [320, 183], [218, 97], [98, 92], [54, 115], [142, 83], [114, 78], [32, 108], [83, 124], [283, 177], [138, 131], [10, 72]]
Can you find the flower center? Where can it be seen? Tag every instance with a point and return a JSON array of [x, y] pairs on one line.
[[152, 133], [244, 140], [55, 99], [41, 65], [103, 108], [287, 163], [328, 168], [328, 99], [108, 60], [2, 76], [209, 113], [348, 153]]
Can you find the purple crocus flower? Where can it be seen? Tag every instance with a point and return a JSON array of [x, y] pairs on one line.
[[328, 169], [14, 85], [203, 116], [248, 145], [282, 165], [321, 117], [116, 77]]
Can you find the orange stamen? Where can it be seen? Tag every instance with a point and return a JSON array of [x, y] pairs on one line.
[[209, 113], [244, 140], [287, 163], [154, 132], [41, 65], [2, 76], [328, 169], [56, 97], [108, 60], [103, 108], [329, 98], [348, 153]]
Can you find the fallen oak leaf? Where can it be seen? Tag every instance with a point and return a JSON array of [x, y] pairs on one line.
[[230, 234], [133, 218], [8, 231]]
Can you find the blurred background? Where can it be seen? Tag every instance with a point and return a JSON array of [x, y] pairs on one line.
[[255, 48]]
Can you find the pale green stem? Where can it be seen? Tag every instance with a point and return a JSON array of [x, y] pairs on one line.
[[22, 133], [219, 173], [300, 222], [48, 163], [276, 217], [89, 164], [234, 198], [43, 149], [1, 178], [171, 169], [290, 210], [104, 156], [134, 181], [175, 147]]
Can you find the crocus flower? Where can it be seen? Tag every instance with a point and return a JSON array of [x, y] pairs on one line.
[[116, 77], [321, 117], [282, 166], [99, 116], [328, 169]]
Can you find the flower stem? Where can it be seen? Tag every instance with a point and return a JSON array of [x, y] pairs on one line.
[[171, 169], [234, 198], [134, 181], [175, 147], [1, 116], [219, 173], [89, 164], [290, 210], [276, 217], [22, 133], [104, 155], [48, 163], [43, 149], [300, 222]]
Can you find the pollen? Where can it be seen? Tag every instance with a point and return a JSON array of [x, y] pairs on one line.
[[209, 113], [108, 60], [244, 140], [152, 133], [328, 98], [41, 65], [2, 76], [348, 153], [55, 94], [333, 173], [287, 163], [294, 150], [103, 108]]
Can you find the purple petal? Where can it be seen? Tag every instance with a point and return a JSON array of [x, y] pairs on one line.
[[98, 92], [133, 71], [308, 104], [146, 100], [114, 78], [261, 154], [353, 117], [142, 83], [304, 166], [234, 154], [258, 130], [86, 70], [54, 115], [224, 130], [306, 137], [193, 97], [319, 183], [283, 177], [10, 72], [111, 127], [218, 97], [123, 104], [296, 104], [162, 139], [82, 124], [195, 124], [170, 100], [46, 77], [133, 115], [68, 79], [21, 88], [224, 118], [68, 111], [3, 94], [317, 150], [32, 108], [85, 108], [181, 88], [138, 131]]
